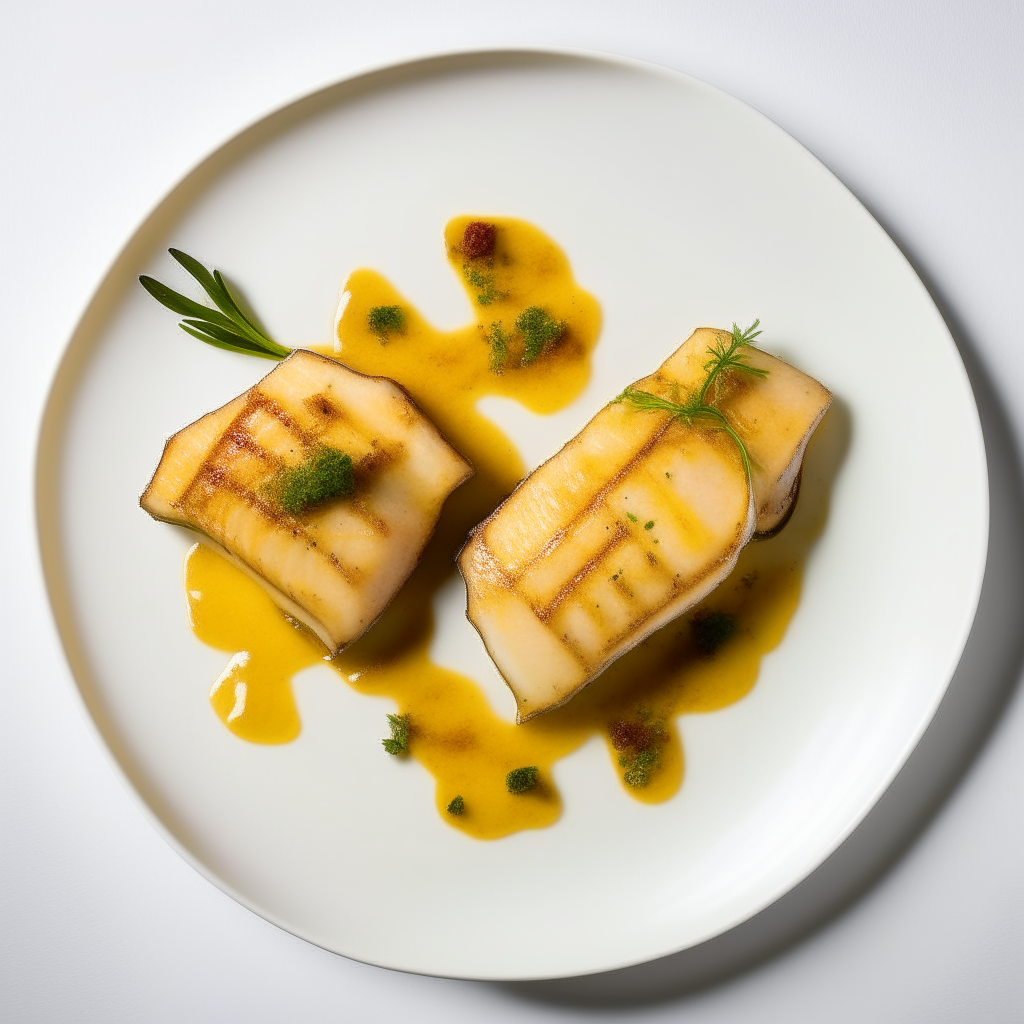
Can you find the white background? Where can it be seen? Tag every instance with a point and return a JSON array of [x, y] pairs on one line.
[[917, 107]]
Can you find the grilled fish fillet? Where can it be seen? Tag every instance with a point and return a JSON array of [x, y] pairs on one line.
[[634, 521], [336, 565]]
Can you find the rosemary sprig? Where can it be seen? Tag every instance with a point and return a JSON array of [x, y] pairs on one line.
[[226, 326], [725, 358]]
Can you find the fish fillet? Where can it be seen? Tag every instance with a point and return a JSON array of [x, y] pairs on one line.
[[337, 564], [634, 521]]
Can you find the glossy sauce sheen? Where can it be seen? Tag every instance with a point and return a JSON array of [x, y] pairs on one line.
[[454, 733]]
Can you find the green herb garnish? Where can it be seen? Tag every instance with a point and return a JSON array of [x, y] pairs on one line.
[[731, 357], [227, 326], [711, 630], [724, 358], [638, 774], [498, 340], [536, 327], [457, 806], [640, 745], [632, 518], [521, 780], [382, 320], [398, 742], [539, 329], [485, 282], [649, 525], [325, 475]]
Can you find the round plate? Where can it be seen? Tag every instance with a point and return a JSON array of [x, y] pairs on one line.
[[678, 207]]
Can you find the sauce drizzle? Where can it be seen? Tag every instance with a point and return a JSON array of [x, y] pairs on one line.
[[454, 732]]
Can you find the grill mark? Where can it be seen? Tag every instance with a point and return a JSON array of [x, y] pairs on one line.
[[322, 407], [385, 448], [237, 434], [366, 515], [483, 560], [211, 473], [377, 458], [637, 624], [571, 647], [239, 439], [677, 588], [215, 478], [598, 498], [349, 573], [591, 566], [267, 404], [285, 522], [574, 582]]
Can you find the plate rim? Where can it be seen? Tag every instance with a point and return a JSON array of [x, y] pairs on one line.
[[105, 298]]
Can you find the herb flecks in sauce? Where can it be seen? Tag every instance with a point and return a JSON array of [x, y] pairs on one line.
[[539, 330], [711, 630], [477, 246], [499, 343], [521, 780], [459, 739], [457, 806], [385, 320], [484, 283], [398, 742], [639, 742]]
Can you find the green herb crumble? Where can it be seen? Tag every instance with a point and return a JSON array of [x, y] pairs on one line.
[[327, 474]]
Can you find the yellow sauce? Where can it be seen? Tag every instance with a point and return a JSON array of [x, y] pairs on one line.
[[454, 733]]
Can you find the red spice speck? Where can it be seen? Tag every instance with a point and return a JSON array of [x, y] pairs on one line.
[[478, 239], [630, 735]]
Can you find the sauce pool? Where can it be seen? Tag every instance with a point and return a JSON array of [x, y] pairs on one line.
[[699, 663]]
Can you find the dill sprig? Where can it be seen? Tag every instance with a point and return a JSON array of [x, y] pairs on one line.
[[725, 357], [730, 357], [225, 327]]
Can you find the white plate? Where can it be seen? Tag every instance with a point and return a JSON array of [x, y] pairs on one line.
[[678, 206]]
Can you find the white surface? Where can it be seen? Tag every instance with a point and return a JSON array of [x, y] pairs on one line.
[[917, 109], [774, 783]]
